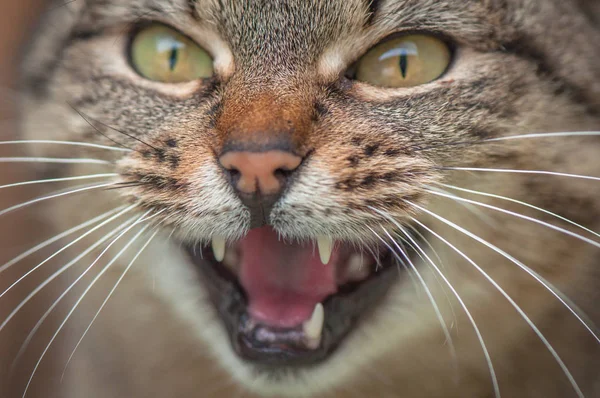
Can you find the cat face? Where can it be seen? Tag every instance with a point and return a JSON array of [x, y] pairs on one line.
[[286, 144]]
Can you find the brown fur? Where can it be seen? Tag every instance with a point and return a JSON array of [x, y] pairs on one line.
[[520, 66]]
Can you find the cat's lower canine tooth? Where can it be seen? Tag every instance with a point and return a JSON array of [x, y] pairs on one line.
[[313, 327]]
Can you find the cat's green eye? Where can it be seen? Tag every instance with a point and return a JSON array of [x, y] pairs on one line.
[[161, 53], [405, 61]]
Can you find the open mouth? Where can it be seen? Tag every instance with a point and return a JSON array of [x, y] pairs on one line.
[[291, 304]]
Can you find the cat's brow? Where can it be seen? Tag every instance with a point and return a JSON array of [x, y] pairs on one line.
[[465, 24]]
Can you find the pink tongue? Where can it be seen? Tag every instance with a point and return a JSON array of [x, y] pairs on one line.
[[283, 282]]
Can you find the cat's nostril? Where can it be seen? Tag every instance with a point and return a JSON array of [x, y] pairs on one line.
[[283, 173], [260, 172], [234, 176]]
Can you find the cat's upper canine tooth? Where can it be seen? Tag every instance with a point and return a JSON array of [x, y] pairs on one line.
[[218, 247], [313, 328], [325, 246]]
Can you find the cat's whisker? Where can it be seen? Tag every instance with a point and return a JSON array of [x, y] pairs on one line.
[[128, 184], [545, 135], [98, 130], [88, 119], [54, 160], [54, 196], [69, 143], [102, 272], [376, 256], [480, 214], [395, 252], [64, 179], [424, 239], [56, 253], [486, 353], [58, 237], [546, 284], [57, 273], [502, 291], [401, 242], [402, 250], [515, 214], [116, 285], [400, 262], [516, 171], [417, 148], [39, 323], [405, 232], [523, 204]]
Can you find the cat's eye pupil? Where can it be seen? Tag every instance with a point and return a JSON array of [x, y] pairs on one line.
[[173, 58], [403, 63]]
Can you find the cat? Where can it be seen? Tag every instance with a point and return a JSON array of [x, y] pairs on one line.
[[328, 198]]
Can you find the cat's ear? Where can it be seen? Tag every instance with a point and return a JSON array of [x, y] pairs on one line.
[[46, 42]]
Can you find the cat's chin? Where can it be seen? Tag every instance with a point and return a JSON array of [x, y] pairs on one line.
[[289, 305]]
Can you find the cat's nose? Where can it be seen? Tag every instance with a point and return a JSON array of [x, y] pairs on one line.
[[259, 174], [263, 142]]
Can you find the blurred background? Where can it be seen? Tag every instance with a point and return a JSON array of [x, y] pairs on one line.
[[17, 21]]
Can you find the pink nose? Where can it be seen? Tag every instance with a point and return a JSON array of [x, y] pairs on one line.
[[261, 172]]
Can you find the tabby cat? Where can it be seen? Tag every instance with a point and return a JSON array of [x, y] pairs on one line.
[[324, 198]]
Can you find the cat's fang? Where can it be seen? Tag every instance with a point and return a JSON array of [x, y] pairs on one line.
[[218, 247], [313, 328], [325, 246]]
